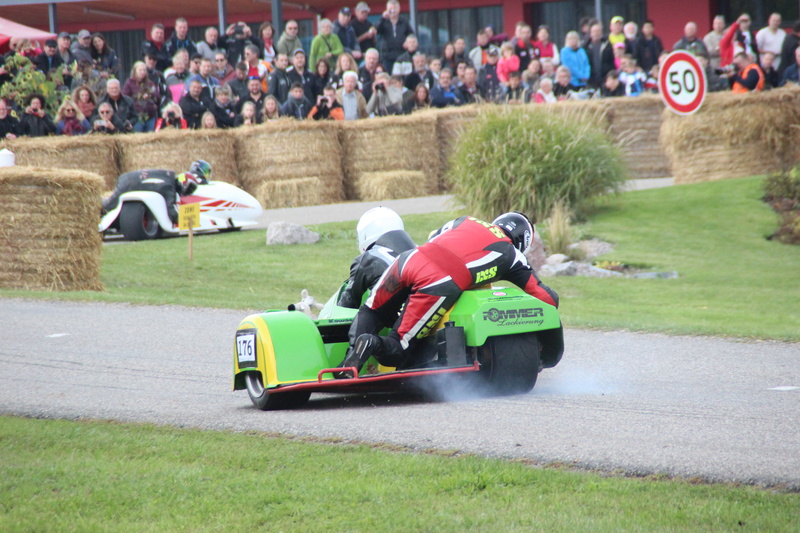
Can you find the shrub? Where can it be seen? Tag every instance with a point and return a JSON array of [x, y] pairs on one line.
[[783, 186], [529, 159]]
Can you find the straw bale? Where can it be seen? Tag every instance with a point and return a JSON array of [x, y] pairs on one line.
[[390, 143], [734, 135], [176, 149], [635, 123], [287, 150], [48, 236], [89, 153], [289, 193], [390, 185], [451, 122]]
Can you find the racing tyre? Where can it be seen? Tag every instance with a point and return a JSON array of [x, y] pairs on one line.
[[510, 363], [265, 401], [137, 223]]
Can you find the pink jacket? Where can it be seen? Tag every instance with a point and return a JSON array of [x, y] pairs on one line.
[[506, 66]]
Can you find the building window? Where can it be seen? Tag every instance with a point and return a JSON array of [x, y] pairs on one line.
[[760, 10], [438, 27], [565, 16]]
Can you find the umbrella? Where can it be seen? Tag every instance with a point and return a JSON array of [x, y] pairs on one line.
[[9, 29]]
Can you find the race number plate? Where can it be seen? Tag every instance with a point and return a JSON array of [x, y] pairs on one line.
[[246, 351]]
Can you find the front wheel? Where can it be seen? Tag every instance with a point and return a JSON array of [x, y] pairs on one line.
[[138, 223], [265, 401], [510, 363]]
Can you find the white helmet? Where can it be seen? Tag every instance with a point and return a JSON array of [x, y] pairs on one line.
[[374, 223]]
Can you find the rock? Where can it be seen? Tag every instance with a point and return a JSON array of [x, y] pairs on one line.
[[556, 259], [288, 233], [546, 271], [536, 256], [595, 247], [570, 268], [590, 271], [656, 275]]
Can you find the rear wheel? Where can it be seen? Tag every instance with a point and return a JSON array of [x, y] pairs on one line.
[[510, 363], [265, 401], [138, 223]]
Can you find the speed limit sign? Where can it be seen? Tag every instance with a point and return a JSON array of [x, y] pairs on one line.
[[682, 83]]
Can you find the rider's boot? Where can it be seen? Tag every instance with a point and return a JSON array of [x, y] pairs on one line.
[[366, 346]]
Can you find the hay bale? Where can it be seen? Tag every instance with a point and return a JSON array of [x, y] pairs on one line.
[[635, 123], [289, 193], [176, 149], [390, 185], [89, 153], [383, 144], [287, 150], [451, 122], [734, 135], [49, 238]]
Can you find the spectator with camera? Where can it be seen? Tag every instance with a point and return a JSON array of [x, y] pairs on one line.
[[238, 36], [106, 121], [171, 118], [744, 74], [387, 96], [327, 107]]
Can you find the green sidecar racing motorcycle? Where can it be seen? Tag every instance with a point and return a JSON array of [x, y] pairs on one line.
[[495, 339]]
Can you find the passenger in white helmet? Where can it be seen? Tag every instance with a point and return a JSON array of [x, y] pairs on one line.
[[381, 238]]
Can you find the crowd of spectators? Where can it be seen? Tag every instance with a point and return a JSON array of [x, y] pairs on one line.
[[355, 70]]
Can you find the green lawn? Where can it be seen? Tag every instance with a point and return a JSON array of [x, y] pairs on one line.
[[733, 281], [98, 476]]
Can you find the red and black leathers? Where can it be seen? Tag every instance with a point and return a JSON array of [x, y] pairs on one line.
[[464, 254]]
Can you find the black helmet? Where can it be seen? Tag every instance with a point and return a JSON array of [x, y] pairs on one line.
[[518, 227], [202, 170]]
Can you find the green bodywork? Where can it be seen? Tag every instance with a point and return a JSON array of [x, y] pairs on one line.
[[290, 346]]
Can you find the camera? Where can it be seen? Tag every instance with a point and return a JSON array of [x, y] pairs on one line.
[[724, 70], [100, 123], [381, 87], [171, 115]]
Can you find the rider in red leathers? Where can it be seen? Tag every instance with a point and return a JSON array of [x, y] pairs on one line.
[[464, 254]]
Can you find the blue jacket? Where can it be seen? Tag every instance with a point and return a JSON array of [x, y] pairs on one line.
[[442, 98], [791, 74], [578, 64]]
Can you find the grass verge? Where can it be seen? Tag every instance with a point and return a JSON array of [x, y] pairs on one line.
[[733, 282], [87, 476]]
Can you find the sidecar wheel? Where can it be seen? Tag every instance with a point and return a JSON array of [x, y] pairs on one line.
[[265, 401], [510, 363], [137, 223]]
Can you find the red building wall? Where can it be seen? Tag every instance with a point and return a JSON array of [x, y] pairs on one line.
[[670, 17]]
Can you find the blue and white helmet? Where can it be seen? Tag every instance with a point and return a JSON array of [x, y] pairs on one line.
[[518, 227]]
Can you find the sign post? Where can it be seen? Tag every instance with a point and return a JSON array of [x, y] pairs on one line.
[[189, 218], [682, 83]]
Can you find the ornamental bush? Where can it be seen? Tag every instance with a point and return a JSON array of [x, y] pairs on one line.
[[530, 159]]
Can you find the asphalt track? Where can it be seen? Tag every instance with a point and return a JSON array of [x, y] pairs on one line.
[[709, 408]]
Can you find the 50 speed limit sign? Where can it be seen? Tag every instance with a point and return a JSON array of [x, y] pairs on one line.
[[682, 83]]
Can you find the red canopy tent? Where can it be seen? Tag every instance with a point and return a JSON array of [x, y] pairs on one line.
[[9, 29]]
